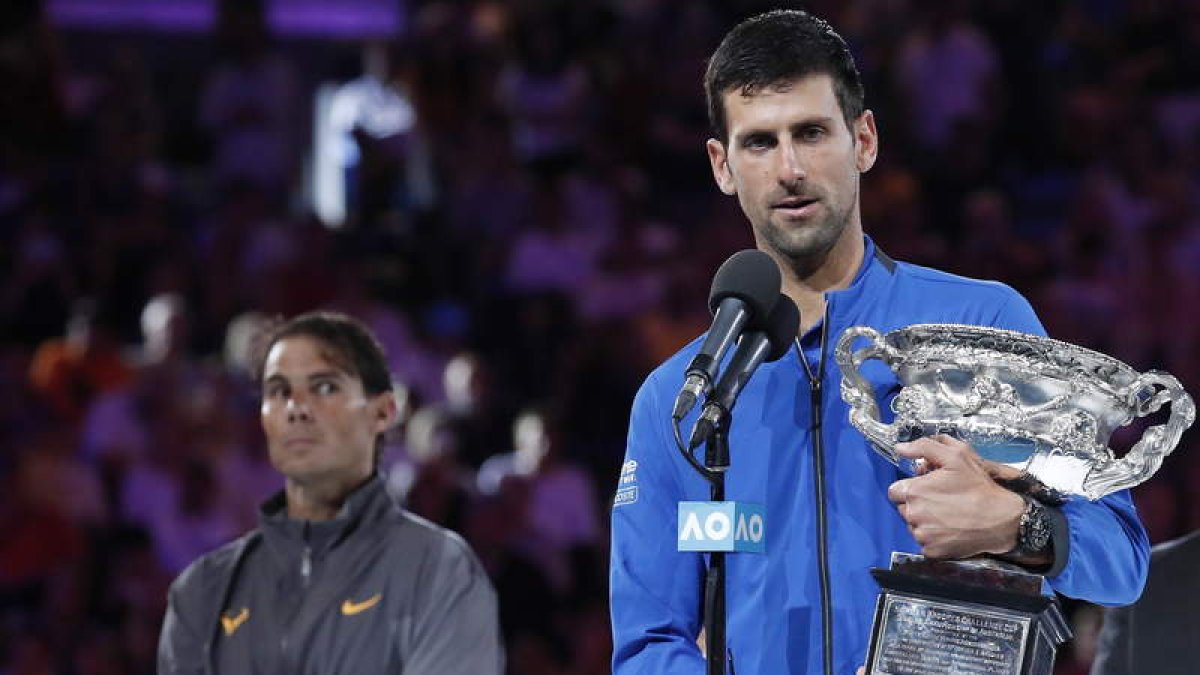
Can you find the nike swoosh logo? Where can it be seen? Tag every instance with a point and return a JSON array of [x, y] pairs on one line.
[[351, 608], [232, 623]]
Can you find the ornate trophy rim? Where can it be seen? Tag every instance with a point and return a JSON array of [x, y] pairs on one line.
[[1014, 335], [1066, 357], [1007, 387]]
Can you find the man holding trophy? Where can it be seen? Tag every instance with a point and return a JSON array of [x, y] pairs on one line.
[[791, 140]]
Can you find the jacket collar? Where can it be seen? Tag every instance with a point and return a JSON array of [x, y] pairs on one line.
[[846, 305], [287, 537]]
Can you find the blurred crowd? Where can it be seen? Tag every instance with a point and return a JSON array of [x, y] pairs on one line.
[[529, 226]]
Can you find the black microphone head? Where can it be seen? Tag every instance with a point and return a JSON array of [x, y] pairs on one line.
[[752, 277], [782, 325]]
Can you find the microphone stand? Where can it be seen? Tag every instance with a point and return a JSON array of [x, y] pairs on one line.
[[716, 460], [716, 463], [782, 325]]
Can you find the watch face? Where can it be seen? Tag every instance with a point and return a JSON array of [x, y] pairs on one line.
[[1036, 531]]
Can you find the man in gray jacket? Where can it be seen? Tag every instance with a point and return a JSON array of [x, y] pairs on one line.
[[337, 578]]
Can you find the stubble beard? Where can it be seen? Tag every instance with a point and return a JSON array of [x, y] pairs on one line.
[[805, 248]]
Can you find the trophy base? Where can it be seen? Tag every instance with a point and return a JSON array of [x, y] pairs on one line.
[[967, 617]]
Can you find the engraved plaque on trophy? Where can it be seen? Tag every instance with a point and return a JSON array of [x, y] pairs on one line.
[[961, 617], [1042, 408]]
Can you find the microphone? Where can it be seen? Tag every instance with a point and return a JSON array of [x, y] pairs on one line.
[[755, 347], [743, 291]]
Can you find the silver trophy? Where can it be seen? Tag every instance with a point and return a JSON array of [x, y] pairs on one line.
[[1040, 406], [1043, 408]]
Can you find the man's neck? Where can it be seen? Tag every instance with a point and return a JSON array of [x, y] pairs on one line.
[[319, 499], [836, 271]]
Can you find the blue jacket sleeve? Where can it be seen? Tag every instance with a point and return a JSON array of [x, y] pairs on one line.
[[1108, 554], [655, 590], [1108, 551]]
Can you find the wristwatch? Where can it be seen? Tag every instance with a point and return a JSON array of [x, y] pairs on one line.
[[1033, 532]]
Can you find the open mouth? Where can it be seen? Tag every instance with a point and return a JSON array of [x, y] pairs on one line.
[[796, 206]]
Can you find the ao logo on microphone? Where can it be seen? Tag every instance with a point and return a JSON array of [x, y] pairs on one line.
[[731, 527]]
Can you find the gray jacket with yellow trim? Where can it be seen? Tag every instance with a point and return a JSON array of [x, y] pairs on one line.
[[375, 590]]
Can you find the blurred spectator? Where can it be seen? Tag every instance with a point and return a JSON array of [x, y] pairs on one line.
[[948, 73], [435, 485], [117, 422], [552, 253], [188, 518], [562, 506], [897, 200], [992, 248], [70, 371], [673, 119], [46, 540], [72, 485], [473, 409], [33, 111], [545, 92], [385, 157], [40, 281], [679, 318], [409, 358], [242, 338], [489, 196], [630, 278], [249, 102], [165, 332], [128, 174]]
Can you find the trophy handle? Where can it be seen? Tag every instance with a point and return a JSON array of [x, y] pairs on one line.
[[857, 391], [1147, 455]]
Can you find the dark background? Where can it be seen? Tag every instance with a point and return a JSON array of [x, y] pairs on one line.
[[541, 230]]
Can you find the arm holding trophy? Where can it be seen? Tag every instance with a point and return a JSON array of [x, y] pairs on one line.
[[956, 509]]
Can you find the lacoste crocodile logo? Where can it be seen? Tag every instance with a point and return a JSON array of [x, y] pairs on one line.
[[232, 623], [351, 608]]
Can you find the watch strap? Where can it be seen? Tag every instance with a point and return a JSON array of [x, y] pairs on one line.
[[1043, 529], [1033, 531]]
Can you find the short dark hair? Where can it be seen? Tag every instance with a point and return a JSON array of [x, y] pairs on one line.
[[351, 346], [778, 47]]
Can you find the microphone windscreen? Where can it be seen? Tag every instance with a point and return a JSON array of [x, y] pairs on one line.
[[782, 324], [751, 276]]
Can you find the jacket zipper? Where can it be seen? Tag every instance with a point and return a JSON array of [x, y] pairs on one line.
[[306, 557], [306, 565], [305, 577], [814, 388]]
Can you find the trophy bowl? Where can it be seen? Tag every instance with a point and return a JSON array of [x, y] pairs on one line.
[[1043, 407]]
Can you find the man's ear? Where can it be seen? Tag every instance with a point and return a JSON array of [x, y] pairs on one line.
[[386, 411], [720, 166], [866, 141]]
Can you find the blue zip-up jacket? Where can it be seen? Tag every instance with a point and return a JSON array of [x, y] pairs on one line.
[[774, 600]]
